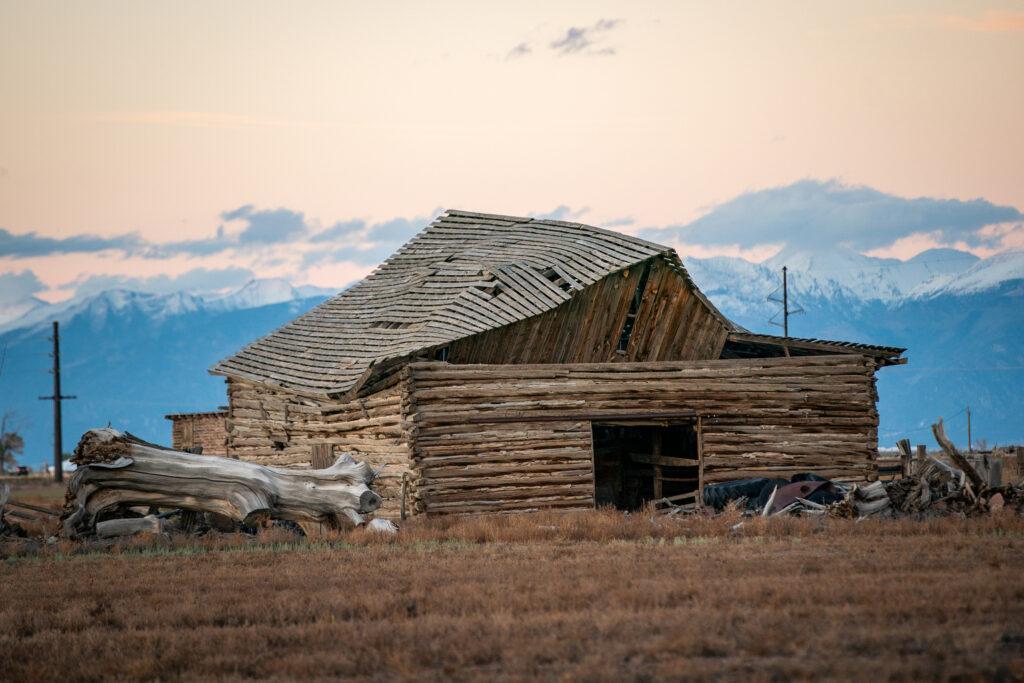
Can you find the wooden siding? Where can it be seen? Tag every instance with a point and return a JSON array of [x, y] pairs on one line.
[[672, 323], [494, 438], [276, 427]]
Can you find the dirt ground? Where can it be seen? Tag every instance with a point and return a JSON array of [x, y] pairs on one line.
[[593, 597]]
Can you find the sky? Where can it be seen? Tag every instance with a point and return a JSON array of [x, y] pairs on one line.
[[195, 145]]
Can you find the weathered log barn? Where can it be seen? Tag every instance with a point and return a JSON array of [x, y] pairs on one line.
[[497, 363]]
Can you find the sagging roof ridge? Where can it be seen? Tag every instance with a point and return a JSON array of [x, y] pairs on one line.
[[302, 354]]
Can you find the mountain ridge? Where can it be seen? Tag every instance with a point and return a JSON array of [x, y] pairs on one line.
[[132, 357]]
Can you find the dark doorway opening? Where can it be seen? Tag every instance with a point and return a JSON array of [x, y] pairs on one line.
[[634, 464]]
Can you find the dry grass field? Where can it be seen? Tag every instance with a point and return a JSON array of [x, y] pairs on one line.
[[36, 489], [595, 596]]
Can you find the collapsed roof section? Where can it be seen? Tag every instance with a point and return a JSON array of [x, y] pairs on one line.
[[464, 274]]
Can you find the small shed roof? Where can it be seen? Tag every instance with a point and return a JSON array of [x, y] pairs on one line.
[[741, 341], [222, 412], [464, 274]]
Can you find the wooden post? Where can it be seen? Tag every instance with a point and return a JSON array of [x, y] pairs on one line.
[[904, 446], [322, 456], [970, 445], [656, 451], [405, 486], [922, 457], [700, 464]]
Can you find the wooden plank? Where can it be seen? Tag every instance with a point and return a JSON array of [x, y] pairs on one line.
[[664, 460]]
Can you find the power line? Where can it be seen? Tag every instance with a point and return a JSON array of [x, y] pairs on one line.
[[945, 420]]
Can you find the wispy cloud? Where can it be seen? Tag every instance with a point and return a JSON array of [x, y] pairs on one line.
[[562, 212], [576, 40], [193, 119], [991, 21], [33, 244], [16, 287], [520, 50], [586, 39]]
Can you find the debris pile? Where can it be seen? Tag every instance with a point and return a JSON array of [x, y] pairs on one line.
[[940, 488], [932, 487]]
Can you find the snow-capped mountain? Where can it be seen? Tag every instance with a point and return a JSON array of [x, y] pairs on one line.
[[846, 276], [256, 293], [980, 276], [253, 294], [16, 309], [132, 357]]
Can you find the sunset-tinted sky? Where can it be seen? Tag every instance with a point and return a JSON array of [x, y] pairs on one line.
[[199, 143]]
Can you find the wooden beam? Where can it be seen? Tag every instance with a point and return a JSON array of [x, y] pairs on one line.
[[664, 460]]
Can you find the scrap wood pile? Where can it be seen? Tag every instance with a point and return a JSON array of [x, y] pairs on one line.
[[14, 514], [123, 485], [934, 488]]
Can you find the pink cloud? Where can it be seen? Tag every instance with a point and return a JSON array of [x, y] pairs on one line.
[[1002, 237], [991, 21]]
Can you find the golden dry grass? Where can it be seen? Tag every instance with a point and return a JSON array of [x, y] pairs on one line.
[[594, 596], [36, 489]]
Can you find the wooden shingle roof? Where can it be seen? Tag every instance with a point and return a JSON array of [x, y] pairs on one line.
[[463, 274]]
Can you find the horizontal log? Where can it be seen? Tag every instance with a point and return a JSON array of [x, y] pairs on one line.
[[419, 371], [510, 493], [663, 460], [431, 487], [476, 392], [507, 456], [489, 468]]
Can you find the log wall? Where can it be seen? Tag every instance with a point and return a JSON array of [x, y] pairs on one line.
[[277, 427], [498, 438], [208, 430]]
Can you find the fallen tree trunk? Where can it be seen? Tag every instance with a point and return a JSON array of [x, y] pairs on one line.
[[119, 470]]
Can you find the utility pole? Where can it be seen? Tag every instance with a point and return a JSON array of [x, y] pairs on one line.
[[786, 311], [785, 303], [970, 447], [58, 446]]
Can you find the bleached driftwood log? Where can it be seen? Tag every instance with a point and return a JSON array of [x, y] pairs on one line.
[[117, 469]]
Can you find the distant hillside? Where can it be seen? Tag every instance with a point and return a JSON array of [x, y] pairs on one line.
[[130, 359]]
